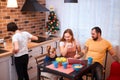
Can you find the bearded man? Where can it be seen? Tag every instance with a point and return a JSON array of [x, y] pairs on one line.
[[96, 48]]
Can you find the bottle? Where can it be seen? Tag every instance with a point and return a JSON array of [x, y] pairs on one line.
[[4, 44]]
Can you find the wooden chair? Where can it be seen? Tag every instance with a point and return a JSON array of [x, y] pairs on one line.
[[39, 60], [104, 69]]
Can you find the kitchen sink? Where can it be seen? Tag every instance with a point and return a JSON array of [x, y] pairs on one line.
[[41, 39], [3, 51]]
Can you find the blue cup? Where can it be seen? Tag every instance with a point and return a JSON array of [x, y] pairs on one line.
[[55, 63], [64, 64], [90, 60]]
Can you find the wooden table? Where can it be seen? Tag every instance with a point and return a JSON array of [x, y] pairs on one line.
[[74, 75]]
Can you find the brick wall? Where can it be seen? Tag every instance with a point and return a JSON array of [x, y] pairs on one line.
[[32, 22]]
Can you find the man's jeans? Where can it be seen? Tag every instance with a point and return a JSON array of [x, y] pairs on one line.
[[98, 72]]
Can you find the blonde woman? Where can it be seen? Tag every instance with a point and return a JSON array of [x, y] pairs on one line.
[[69, 47]]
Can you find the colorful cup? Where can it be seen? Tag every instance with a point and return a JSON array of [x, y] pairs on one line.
[[55, 63], [64, 64], [90, 60]]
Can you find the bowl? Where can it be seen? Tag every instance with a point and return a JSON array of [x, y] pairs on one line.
[[77, 67]]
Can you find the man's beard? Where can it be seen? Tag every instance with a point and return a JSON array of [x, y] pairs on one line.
[[95, 39]]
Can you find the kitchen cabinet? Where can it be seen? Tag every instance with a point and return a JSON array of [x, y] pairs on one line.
[[52, 44], [7, 68], [57, 46], [4, 68], [13, 73], [32, 66]]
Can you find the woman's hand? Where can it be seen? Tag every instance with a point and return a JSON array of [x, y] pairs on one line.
[[77, 56], [68, 45]]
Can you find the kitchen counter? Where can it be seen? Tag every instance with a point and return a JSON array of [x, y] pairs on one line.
[[30, 45]]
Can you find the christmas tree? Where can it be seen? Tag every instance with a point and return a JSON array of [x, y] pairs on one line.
[[52, 23]]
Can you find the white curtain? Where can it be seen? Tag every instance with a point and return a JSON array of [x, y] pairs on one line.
[[85, 14], [66, 13]]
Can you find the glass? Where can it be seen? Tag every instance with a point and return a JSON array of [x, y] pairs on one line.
[[90, 60], [64, 64], [55, 63]]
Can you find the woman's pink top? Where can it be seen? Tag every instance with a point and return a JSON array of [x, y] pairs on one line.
[[71, 51]]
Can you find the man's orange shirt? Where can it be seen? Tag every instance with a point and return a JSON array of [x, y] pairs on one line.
[[97, 49]]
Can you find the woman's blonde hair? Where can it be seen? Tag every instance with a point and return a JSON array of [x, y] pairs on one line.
[[67, 31]]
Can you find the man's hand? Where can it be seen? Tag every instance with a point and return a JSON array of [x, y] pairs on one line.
[[15, 51], [116, 58]]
